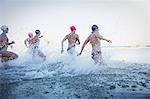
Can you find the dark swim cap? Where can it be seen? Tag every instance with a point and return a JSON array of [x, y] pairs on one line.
[[94, 27], [37, 31]]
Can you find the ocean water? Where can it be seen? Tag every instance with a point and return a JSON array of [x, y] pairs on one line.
[[124, 73]]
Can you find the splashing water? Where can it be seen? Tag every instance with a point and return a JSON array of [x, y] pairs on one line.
[[121, 67], [67, 64]]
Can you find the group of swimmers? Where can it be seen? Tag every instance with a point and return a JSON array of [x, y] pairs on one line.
[[32, 43], [94, 39]]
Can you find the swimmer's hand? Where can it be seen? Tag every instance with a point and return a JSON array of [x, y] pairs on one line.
[[62, 51], [41, 36], [109, 41], [79, 54], [11, 43]]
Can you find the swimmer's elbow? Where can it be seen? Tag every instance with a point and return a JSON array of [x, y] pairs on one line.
[[78, 42]]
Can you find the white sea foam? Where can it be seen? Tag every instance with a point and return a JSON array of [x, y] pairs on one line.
[[64, 64]]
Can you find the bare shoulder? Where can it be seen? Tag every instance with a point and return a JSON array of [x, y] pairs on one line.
[[76, 35], [69, 34], [97, 34], [100, 36], [37, 37], [89, 37], [3, 37], [34, 38]]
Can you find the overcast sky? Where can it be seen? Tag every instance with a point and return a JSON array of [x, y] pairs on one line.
[[125, 22]]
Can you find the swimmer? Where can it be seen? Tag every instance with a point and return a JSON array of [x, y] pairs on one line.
[[94, 39], [73, 39], [4, 43]]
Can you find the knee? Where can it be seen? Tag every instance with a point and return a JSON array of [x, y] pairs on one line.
[[14, 56]]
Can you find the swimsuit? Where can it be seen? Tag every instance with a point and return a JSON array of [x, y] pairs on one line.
[[34, 49], [1, 48], [95, 53], [71, 49]]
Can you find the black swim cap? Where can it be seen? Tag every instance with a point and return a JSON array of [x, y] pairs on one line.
[[37, 31], [94, 27]]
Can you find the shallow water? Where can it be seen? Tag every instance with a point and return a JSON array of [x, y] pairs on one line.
[[122, 75]]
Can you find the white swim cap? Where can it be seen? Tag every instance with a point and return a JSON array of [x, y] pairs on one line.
[[4, 27]]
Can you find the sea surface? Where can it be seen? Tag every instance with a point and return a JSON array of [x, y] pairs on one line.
[[123, 74]]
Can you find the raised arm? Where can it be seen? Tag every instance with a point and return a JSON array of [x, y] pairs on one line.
[[41, 36], [106, 39], [11, 43], [102, 38], [62, 42], [84, 44]]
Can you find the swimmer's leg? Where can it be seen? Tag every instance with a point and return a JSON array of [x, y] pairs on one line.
[[41, 55], [97, 58], [6, 56]]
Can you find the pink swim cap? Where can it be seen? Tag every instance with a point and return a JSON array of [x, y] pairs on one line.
[[30, 34], [72, 28]]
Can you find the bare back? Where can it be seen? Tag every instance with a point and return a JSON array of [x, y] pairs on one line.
[[3, 42], [95, 41], [29, 42], [72, 38], [36, 41]]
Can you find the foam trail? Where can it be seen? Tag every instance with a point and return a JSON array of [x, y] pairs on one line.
[[58, 64]]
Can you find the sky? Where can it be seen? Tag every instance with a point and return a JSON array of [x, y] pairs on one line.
[[125, 22]]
